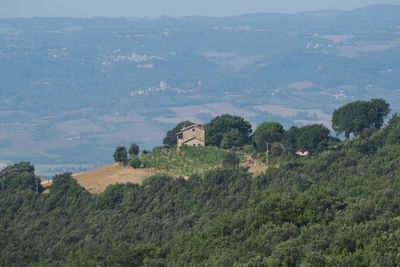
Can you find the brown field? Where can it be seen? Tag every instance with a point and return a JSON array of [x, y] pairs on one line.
[[46, 184], [257, 170], [97, 180]]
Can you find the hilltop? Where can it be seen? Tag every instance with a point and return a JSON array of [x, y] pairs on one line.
[[336, 208], [97, 180], [177, 163]]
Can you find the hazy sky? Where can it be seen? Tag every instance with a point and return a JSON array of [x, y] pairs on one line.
[[176, 8]]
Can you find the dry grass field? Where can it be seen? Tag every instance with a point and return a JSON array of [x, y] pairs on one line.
[[97, 180]]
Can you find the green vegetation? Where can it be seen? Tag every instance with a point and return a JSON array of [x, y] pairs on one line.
[[186, 161], [311, 137], [340, 207], [289, 137], [230, 160], [133, 150], [392, 131], [356, 117], [232, 139], [121, 155], [22, 178], [135, 162], [267, 132], [227, 130]]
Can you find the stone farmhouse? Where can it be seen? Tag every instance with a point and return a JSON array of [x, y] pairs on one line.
[[193, 135]]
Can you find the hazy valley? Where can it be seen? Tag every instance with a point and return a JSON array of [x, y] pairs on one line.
[[72, 89]]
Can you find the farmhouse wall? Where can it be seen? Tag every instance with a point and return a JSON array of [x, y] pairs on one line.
[[191, 136]]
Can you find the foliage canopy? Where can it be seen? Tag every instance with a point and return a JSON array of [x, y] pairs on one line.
[[315, 136], [267, 132], [121, 155], [133, 150], [354, 117], [135, 162], [18, 177], [337, 208], [235, 129]]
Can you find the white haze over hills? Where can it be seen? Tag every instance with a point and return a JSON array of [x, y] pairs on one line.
[[175, 8], [74, 89]]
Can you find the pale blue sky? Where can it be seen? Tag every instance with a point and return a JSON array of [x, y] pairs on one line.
[[175, 8]]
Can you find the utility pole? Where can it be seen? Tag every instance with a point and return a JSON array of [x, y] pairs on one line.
[[267, 154], [37, 186]]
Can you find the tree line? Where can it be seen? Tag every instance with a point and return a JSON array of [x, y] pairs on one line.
[[358, 119], [338, 208]]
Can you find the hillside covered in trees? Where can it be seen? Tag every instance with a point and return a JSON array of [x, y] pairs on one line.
[[338, 207]]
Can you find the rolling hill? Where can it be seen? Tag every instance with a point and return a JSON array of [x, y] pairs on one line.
[[97, 180]]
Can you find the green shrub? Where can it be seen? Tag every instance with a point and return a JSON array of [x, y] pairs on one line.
[[230, 160], [135, 162], [186, 161]]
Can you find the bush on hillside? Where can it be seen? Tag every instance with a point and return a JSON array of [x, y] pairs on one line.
[[135, 162], [230, 160]]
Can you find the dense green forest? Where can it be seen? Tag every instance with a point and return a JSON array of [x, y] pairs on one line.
[[340, 207]]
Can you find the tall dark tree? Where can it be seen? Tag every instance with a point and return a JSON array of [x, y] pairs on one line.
[[289, 137], [19, 176], [313, 136], [170, 139], [135, 162], [133, 150], [267, 132], [231, 139], [221, 125], [379, 110], [121, 155], [354, 117]]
